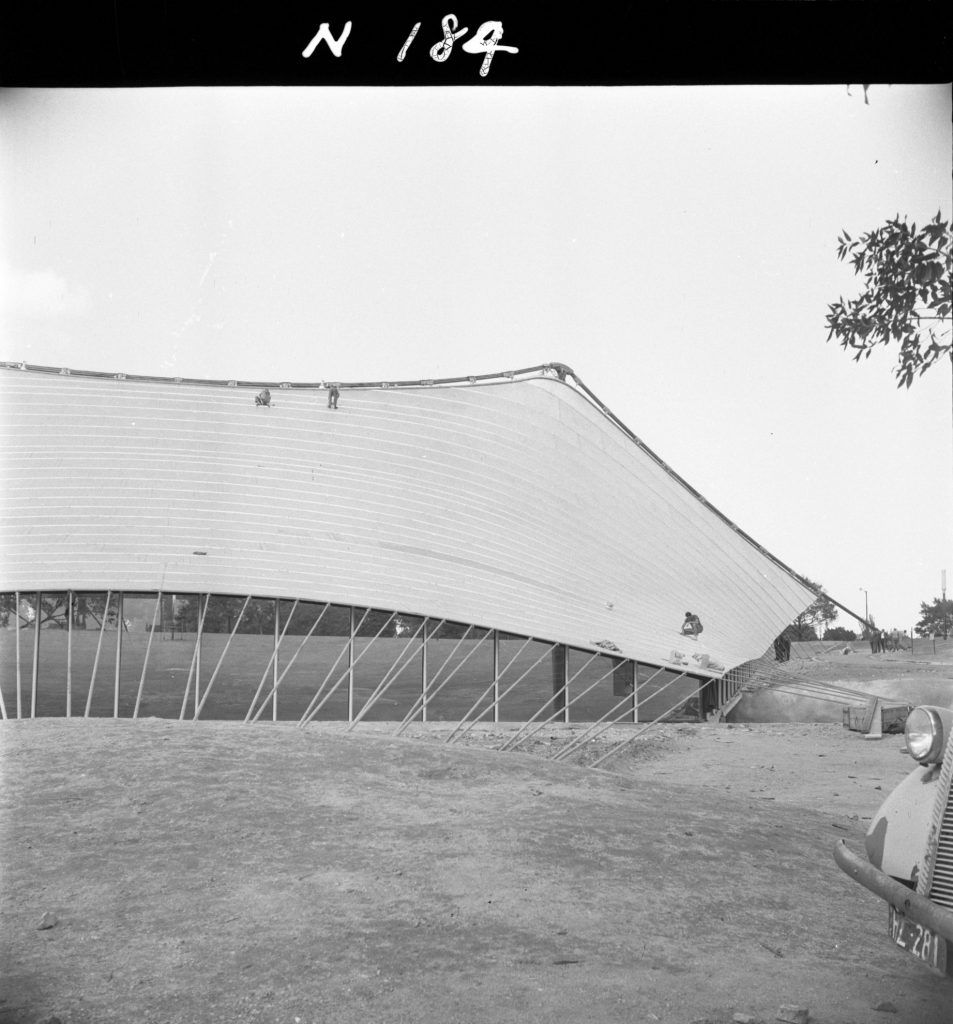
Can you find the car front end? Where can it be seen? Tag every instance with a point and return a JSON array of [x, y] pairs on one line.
[[909, 845]]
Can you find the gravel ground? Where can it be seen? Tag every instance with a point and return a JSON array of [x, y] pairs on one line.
[[217, 872]]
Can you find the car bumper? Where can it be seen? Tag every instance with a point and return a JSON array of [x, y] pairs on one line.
[[912, 905]]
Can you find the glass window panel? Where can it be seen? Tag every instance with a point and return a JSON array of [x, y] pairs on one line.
[[137, 613], [10, 623], [322, 682], [300, 660], [170, 655], [397, 656], [232, 666], [459, 670], [94, 635], [660, 694], [598, 685], [54, 652], [537, 675]]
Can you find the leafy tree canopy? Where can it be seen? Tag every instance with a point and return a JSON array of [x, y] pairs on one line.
[[905, 298], [936, 618], [812, 621], [839, 633]]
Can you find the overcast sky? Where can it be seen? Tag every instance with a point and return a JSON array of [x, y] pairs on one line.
[[675, 246]]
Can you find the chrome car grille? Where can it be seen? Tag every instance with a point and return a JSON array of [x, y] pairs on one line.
[[940, 888]]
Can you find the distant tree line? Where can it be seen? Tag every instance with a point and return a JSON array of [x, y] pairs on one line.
[[814, 621], [936, 618]]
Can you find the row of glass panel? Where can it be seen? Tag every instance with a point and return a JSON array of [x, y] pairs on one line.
[[110, 654]]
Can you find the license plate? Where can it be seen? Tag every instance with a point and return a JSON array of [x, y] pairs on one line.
[[917, 940]]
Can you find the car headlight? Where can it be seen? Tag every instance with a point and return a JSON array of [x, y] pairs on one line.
[[924, 735]]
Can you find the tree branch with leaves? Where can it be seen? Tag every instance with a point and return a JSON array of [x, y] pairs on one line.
[[906, 297]]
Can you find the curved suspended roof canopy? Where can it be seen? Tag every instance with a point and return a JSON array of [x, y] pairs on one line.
[[514, 501]]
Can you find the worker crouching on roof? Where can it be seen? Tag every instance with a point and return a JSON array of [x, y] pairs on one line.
[[692, 625]]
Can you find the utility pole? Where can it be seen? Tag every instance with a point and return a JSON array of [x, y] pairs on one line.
[[943, 599]]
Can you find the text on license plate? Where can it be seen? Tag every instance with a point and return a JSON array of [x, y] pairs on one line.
[[916, 939]]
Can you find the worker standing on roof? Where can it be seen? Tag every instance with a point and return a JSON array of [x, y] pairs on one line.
[[333, 394]]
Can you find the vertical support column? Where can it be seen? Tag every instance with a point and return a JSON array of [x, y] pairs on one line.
[[16, 626], [423, 672], [156, 616], [635, 692], [623, 680], [119, 626], [19, 712], [38, 614], [198, 651], [350, 669], [274, 669], [565, 684], [496, 675], [559, 679], [69, 653]]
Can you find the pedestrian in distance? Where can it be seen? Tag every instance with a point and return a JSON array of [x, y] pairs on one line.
[[333, 395]]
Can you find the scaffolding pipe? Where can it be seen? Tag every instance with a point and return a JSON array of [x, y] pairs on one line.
[[116, 674], [320, 690], [514, 740], [469, 725], [591, 733], [431, 693], [583, 738], [636, 735], [344, 650], [350, 666], [35, 675], [349, 674], [99, 644], [271, 660], [582, 694], [386, 681], [69, 654], [195, 661], [275, 663], [145, 660], [291, 661], [221, 658]]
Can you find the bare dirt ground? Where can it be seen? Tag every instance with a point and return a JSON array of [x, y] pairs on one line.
[[220, 872]]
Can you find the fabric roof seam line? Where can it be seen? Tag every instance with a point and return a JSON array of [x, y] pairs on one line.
[[604, 409], [503, 376], [30, 386], [509, 376]]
